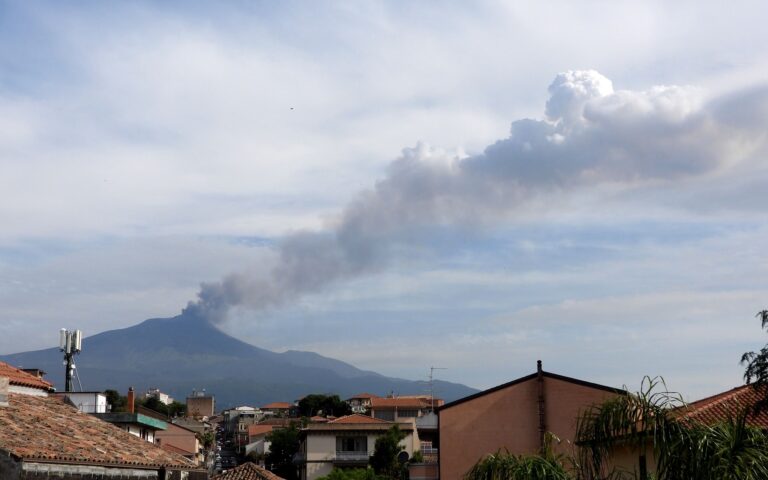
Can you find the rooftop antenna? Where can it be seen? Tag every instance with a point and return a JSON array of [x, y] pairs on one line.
[[432, 386], [71, 343]]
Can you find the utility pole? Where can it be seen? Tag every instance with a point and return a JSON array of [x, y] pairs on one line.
[[432, 386], [71, 343]]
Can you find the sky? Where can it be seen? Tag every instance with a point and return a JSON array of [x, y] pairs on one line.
[[399, 185]]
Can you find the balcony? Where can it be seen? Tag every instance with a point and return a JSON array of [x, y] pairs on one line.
[[352, 457]]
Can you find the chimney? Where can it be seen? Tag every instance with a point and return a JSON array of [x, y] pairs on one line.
[[131, 400], [4, 391]]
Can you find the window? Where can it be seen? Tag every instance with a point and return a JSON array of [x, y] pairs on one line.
[[351, 444], [407, 413]]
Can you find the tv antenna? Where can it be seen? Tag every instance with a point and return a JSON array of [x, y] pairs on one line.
[[432, 385], [71, 343]]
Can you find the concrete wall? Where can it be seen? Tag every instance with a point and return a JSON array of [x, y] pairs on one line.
[[179, 438], [508, 419]]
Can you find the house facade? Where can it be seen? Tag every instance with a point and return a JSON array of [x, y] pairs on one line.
[[347, 442], [513, 417]]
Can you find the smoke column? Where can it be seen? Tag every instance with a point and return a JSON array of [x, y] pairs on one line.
[[590, 136]]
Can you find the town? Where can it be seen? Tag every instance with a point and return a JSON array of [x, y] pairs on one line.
[[46, 434]]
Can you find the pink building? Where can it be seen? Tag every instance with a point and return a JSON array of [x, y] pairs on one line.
[[513, 417]]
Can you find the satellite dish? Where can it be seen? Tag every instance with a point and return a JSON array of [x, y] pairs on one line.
[[402, 457]]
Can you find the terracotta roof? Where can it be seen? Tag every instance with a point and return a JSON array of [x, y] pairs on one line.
[[357, 418], [318, 419], [718, 408], [274, 405], [46, 429], [174, 449], [247, 471], [399, 402], [254, 430], [364, 395], [22, 378]]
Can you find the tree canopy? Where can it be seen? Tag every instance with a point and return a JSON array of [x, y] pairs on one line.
[[316, 403], [285, 445], [384, 460], [756, 372]]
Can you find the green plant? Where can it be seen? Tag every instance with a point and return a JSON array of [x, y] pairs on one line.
[[384, 460], [506, 466], [352, 474]]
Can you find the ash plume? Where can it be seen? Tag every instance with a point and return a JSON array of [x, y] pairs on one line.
[[591, 135]]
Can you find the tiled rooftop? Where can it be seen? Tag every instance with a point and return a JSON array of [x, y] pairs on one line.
[[22, 378], [274, 405], [357, 418], [49, 430], [247, 471], [364, 395], [718, 408], [400, 402], [255, 430]]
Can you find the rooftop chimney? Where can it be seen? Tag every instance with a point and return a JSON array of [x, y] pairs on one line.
[[131, 400], [4, 391]]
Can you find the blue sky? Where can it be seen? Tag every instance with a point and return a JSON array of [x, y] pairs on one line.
[[377, 157]]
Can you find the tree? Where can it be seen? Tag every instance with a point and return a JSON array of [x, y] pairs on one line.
[[174, 409], [285, 444], [545, 466], [315, 403], [756, 373], [118, 402], [384, 460], [649, 424], [351, 474]]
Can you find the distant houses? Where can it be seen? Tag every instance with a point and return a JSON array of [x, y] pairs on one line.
[[43, 436]]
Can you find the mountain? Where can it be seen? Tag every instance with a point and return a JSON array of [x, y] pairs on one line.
[[186, 352]]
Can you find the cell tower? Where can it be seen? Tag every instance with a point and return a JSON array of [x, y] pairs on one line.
[[71, 343]]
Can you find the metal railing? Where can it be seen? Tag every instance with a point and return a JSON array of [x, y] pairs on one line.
[[352, 456]]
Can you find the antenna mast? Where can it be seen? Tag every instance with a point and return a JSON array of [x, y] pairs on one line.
[[432, 385], [71, 343]]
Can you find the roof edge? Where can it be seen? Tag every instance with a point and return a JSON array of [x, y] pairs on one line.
[[526, 378]]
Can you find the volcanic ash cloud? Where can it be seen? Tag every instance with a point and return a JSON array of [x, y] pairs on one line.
[[590, 135]]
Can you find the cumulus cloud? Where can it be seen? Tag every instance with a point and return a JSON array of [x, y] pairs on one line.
[[591, 135]]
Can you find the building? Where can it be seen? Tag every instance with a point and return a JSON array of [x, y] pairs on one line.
[[257, 439], [20, 381], [44, 437], [403, 408], [513, 417], [347, 442], [719, 408], [87, 402], [201, 405], [361, 402], [278, 409], [161, 397], [137, 424], [247, 471], [176, 438]]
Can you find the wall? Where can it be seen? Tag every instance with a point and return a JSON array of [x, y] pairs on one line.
[[179, 438], [508, 419]]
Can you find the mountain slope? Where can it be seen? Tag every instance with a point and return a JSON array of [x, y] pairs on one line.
[[185, 352]]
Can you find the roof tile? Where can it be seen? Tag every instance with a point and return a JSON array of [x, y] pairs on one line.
[[22, 378], [247, 471], [718, 408], [48, 429]]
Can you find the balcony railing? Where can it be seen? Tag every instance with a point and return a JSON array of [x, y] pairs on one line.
[[352, 456]]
